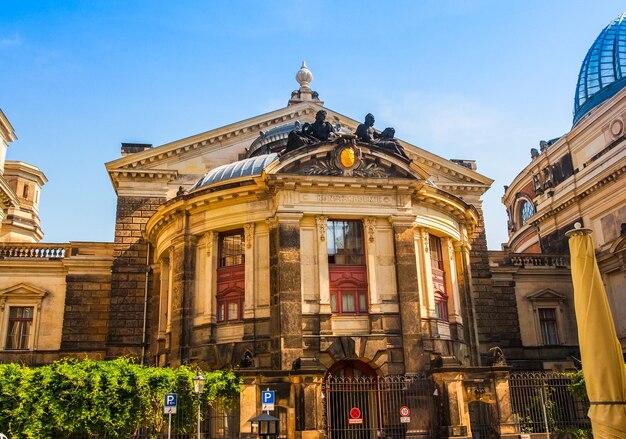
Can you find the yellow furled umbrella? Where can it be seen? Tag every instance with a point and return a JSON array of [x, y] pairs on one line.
[[601, 352]]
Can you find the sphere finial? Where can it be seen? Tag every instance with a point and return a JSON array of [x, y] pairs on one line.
[[304, 76]]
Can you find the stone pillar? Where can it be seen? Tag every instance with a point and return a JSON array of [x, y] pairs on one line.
[[285, 291], [503, 398], [322, 265], [427, 298], [408, 296], [369, 227], [248, 302], [464, 274], [451, 400], [183, 271]]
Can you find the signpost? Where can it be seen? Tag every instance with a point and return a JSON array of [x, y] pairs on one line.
[[169, 407], [268, 397], [405, 415], [355, 416]]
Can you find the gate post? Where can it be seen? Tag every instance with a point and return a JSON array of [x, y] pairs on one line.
[[452, 405], [503, 396]]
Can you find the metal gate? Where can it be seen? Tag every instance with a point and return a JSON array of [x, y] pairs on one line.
[[380, 407]]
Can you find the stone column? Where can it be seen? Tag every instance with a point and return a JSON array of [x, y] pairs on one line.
[[426, 274], [462, 260], [452, 285], [369, 227], [408, 295], [250, 281], [183, 271], [285, 291], [248, 304], [323, 279]]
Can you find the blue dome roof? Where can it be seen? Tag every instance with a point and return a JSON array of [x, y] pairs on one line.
[[603, 72], [243, 168]]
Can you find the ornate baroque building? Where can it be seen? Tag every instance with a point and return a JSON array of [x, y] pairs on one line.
[[294, 246], [577, 177]]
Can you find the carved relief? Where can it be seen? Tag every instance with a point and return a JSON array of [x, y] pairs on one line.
[[321, 167], [208, 239], [321, 222], [425, 239], [248, 230], [450, 249], [370, 227]]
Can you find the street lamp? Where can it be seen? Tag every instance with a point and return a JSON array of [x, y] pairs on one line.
[[198, 389]]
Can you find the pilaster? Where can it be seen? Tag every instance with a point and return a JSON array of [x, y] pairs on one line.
[[285, 290], [408, 295]]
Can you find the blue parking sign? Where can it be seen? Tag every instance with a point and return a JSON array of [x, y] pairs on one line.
[[267, 399], [170, 402]]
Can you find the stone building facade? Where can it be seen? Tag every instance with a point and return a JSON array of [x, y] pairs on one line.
[[577, 177], [289, 257]]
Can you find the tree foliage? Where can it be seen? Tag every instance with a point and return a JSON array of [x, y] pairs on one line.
[[87, 397]]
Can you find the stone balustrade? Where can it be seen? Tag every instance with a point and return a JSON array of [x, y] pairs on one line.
[[535, 260], [34, 251]]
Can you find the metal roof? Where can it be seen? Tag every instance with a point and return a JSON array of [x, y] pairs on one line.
[[243, 168]]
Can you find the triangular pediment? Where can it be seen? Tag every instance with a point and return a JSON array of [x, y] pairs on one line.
[[23, 291], [184, 161], [546, 295]]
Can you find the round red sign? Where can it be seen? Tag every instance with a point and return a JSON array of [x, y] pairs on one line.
[[355, 413], [405, 411]]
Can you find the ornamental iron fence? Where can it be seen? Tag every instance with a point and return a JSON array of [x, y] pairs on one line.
[[544, 402]]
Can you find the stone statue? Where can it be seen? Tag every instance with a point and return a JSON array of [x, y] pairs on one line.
[[498, 356], [365, 132], [318, 131]]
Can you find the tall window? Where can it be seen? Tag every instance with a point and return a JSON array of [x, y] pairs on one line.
[[346, 266], [547, 321], [345, 243], [20, 324], [439, 278], [230, 276]]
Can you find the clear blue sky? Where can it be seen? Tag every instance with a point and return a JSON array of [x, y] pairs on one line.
[[483, 80]]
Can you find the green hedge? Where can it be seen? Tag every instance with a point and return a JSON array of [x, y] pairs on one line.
[[71, 397]]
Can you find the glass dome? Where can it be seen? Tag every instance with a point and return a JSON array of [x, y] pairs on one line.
[[603, 72]]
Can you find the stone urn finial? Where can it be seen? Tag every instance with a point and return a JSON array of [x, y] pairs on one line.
[[304, 76]]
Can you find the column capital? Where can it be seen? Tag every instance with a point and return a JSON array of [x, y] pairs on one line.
[[284, 217], [402, 220]]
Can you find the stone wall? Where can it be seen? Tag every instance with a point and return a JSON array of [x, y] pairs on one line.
[[128, 279], [495, 308], [85, 323]]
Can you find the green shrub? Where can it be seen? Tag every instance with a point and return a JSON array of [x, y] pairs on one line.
[[71, 397]]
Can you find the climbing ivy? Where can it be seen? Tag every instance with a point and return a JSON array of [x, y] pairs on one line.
[[89, 398]]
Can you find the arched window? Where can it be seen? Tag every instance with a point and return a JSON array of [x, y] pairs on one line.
[[526, 210]]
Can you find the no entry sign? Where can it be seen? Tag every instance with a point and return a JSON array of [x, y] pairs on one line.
[[405, 415], [355, 416]]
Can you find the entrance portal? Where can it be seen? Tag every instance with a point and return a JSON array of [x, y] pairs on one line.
[[359, 404]]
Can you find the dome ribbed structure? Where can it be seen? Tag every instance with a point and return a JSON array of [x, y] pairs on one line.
[[603, 72]]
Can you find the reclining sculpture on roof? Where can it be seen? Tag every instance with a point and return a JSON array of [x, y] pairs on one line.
[[366, 133], [318, 131], [323, 131]]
